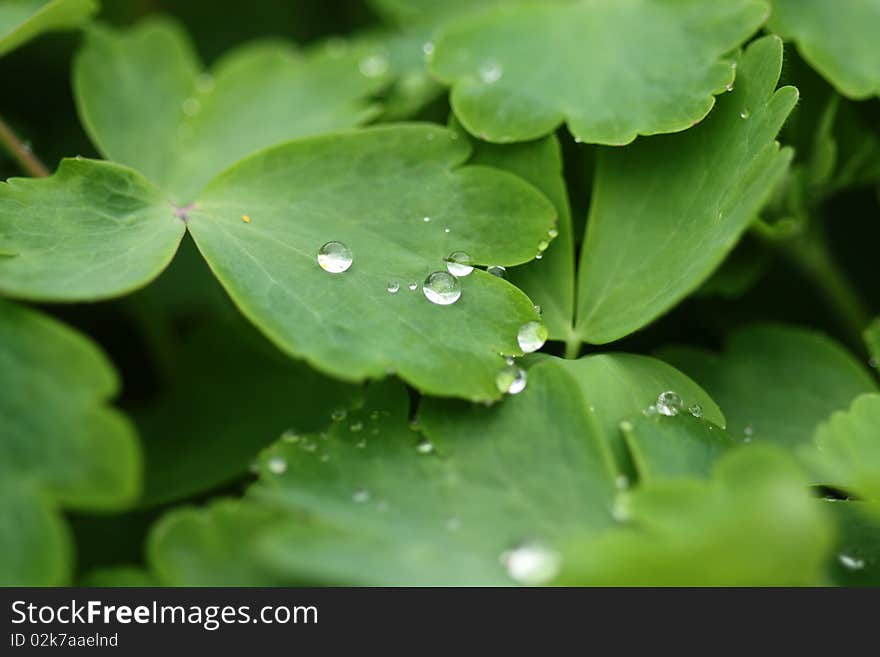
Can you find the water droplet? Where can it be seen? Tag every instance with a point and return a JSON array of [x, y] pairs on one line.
[[512, 380], [497, 270], [622, 482], [426, 219], [490, 71], [374, 416], [539, 255], [651, 411], [324, 458], [453, 524], [669, 403], [459, 264], [428, 51], [620, 510], [696, 410], [542, 245], [874, 363], [510, 360], [424, 446], [748, 432], [361, 496], [309, 445], [361, 444], [446, 230], [374, 65], [531, 563], [205, 83], [334, 257], [277, 465], [850, 562], [729, 86], [290, 436], [413, 286], [531, 336], [552, 233], [392, 287], [191, 106], [442, 288], [338, 415], [539, 310], [744, 114], [626, 426], [356, 426]]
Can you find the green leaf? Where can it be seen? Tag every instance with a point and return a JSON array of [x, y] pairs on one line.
[[871, 336], [91, 231], [847, 448], [838, 39], [683, 445], [22, 20], [776, 383], [655, 231], [429, 12], [190, 125], [119, 577], [365, 504], [549, 281], [232, 395], [856, 557], [518, 73], [61, 445], [612, 387], [753, 524], [371, 190], [34, 538]]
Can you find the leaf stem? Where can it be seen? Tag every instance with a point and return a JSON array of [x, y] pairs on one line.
[[20, 152], [572, 347], [810, 254]]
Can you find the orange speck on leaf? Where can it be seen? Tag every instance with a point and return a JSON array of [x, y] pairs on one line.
[[246, 219]]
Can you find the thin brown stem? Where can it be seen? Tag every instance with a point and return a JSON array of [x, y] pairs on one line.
[[20, 152]]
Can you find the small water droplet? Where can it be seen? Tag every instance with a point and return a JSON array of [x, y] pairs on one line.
[[442, 288], [374, 416], [622, 482], [392, 287], [744, 114], [497, 270], [374, 65], [510, 360], [424, 446], [334, 257], [309, 445], [191, 106], [696, 410], [426, 219], [324, 458], [552, 233], [446, 230], [669, 403], [531, 336], [539, 310], [651, 411], [626, 426], [356, 426], [620, 510], [512, 380], [338, 414], [361, 444], [459, 264], [490, 71], [850, 562], [205, 83], [531, 563], [413, 286], [539, 255], [361, 496], [277, 465], [453, 524], [290, 436], [428, 50], [874, 363], [729, 86], [542, 245], [748, 432]]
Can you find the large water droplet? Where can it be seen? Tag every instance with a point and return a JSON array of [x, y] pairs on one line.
[[512, 380], [393, 287], [442, 288], [531, 336], [850, 562], [497, 270], [490, 71], [277, 465], [459, 264], [334, 257], [669, 403], [361, 496], [531, 563]]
